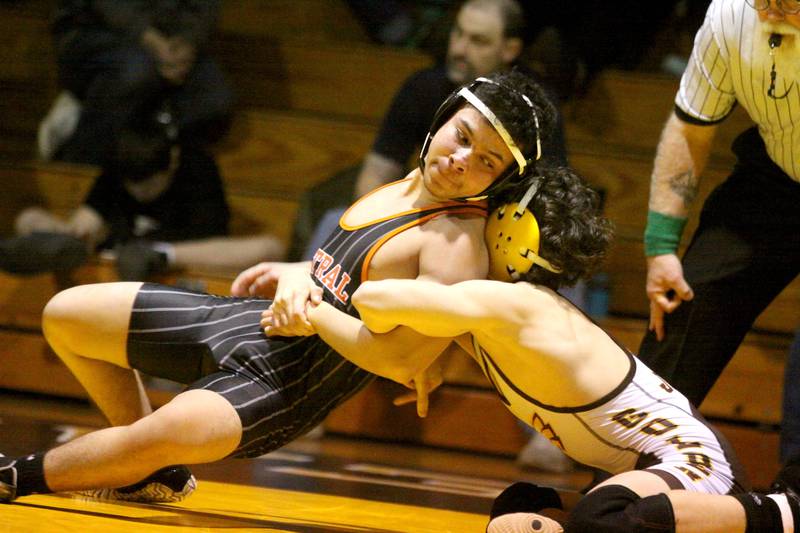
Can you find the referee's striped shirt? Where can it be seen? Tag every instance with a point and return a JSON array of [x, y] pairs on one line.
[[727, 67]]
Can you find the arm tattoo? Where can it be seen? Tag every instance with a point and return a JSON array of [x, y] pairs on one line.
[[685, 186]]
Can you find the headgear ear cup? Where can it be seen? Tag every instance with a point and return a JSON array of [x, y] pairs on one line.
[[512, 236]]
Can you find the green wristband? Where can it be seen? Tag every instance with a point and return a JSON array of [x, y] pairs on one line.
[[662, 234]]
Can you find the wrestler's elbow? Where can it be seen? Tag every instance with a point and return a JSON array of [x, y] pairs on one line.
[[366, 297]]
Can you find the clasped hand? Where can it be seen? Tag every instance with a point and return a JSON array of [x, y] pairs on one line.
[[295, 293]]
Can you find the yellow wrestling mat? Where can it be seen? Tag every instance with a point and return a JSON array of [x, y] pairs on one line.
[[230, 507]]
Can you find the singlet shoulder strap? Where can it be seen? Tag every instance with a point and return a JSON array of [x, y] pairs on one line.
[[451, 206]]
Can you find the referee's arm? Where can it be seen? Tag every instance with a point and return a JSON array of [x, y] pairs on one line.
[[680, 160], [681, 157]]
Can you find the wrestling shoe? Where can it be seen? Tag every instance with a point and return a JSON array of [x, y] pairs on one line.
[[788, 478], [168, 485], [524, 497], [523, 523], [515, 510], [8, 480]]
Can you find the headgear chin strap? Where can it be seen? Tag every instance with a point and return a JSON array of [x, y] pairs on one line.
[[449, 107], [512, 236]]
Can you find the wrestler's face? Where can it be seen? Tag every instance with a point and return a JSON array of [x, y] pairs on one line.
[[465, 156]]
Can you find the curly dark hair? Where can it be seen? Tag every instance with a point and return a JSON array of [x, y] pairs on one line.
[[574, 236], [514, 112]]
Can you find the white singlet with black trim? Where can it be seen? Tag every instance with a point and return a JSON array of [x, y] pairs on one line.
[[642, 424]]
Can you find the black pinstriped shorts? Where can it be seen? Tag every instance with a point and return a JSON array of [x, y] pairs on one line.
[[281, 387]]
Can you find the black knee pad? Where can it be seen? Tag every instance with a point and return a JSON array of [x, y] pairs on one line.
[[524, 497], [762, 513], [617, 509]]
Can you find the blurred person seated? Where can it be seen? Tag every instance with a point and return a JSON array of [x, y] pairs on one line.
[[388, 22], [114, 55], [158, 204]]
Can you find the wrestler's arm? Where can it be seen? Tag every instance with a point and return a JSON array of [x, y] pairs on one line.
[[449, 255], [262, 279], [398, 355], [431, 308]]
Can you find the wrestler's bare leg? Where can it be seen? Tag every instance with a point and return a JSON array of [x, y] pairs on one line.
[[197, 426], [694, 512], [87, 327], [706, 513]]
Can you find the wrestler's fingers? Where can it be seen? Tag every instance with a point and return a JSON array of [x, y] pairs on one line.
[[243, 284], [279, 317], [267, 318], [422, 400], [264, 286], [298, 309], [405, 399]]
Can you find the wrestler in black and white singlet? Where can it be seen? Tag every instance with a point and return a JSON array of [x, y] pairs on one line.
[[281, 387]]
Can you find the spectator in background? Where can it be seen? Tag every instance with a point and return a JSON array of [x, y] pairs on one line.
[[486, 36], [160, 205], [115, 57]]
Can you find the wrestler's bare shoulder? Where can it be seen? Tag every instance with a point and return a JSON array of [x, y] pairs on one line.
[[529, 298]]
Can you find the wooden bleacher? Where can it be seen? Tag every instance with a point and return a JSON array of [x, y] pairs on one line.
[[312, 91]]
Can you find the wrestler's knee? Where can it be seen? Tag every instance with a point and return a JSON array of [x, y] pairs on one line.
[[617, 509], [90, 319], [61, 314], [196, 426]]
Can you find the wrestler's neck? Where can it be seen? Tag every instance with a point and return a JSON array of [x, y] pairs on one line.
[[421, 195]]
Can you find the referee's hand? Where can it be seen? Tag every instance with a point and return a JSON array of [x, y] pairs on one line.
[[666, 289]]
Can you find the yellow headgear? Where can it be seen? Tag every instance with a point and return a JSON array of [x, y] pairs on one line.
[[512, 236]]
